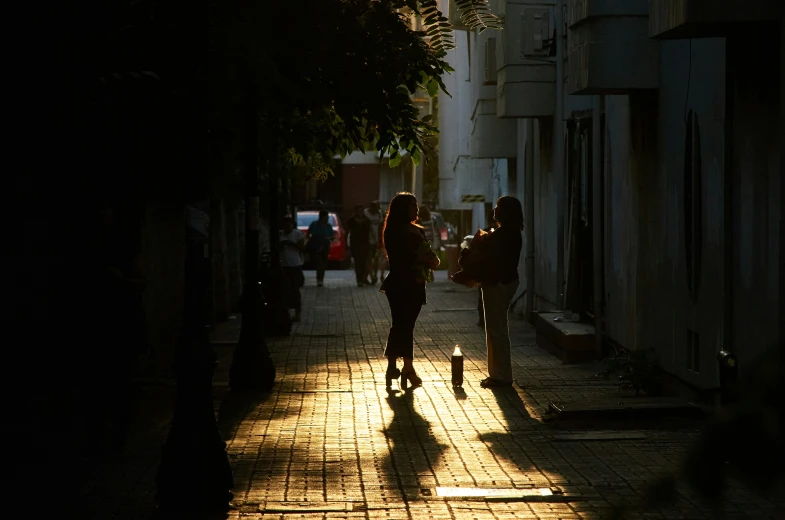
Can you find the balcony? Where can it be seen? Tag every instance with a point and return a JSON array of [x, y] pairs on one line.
[[490, 137], [682, 19], [609, 50], [526, 59]]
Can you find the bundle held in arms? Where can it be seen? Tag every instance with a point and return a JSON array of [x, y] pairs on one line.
[[472, 257], [425, 272]]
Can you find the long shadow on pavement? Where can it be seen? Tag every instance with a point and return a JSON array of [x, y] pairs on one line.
[[514, 445], [414, 452], [234, 408]]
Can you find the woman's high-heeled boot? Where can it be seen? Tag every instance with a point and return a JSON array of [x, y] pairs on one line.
[[392, 373], [412, 377]]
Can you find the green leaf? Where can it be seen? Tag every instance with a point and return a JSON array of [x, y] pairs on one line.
[[416, 156], [427, 118], [433, 88], [395, 161]]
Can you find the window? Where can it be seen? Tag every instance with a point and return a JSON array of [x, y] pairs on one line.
[[305, 219]]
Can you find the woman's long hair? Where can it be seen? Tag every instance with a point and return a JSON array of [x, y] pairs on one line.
[[397, 214], [509, 212]]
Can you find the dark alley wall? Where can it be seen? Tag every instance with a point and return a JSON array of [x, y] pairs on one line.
[[732, 102], [621, 225], [781, 316], [692, 78], [757, 171], [162, 258]]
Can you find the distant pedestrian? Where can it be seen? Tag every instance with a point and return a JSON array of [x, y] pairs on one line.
[[320, 234], [498, 277], [404, 287], [358, 229], [375, 216], [292, 242]]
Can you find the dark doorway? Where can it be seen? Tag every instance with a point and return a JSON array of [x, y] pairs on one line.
[[580, 258]]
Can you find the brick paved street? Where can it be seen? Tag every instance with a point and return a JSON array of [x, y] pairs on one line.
[[331, 442], [332, 436]]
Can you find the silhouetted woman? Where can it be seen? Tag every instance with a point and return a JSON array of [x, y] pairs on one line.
[[498, 277], [404, 286]]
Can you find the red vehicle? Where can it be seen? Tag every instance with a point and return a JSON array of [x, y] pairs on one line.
[[339, 252]]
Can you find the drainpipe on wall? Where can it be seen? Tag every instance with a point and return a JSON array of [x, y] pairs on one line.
[[528, 206], [597, 228], [558, 156]]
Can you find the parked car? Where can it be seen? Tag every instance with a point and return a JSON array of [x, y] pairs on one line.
[[339, 252]]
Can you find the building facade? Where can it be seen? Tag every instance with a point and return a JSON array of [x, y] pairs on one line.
[[648, 154]]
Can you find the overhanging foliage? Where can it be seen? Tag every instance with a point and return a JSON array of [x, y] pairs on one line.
[[333, 76]]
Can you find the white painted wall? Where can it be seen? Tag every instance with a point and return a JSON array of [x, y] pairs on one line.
[[358, 157], [459, 173], [491, 137], [499, 179], [391, 181]]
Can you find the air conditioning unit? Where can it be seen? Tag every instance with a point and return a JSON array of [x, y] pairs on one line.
[[490, 61], [537, 30]]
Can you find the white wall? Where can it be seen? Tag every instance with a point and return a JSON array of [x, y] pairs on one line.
[[358, 157], [391, 181], [491, 137], [498, 186], [459, 173]]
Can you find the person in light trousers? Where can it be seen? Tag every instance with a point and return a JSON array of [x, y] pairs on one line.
[[498, 277]]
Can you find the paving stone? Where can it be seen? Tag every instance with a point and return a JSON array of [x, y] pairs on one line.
[[329, 432]]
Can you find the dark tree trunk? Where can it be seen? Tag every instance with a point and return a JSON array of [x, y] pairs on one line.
[[279, 322], [252, 368]]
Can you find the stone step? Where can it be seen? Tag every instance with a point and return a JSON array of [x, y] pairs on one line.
[[624, 408], [572, 342]]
